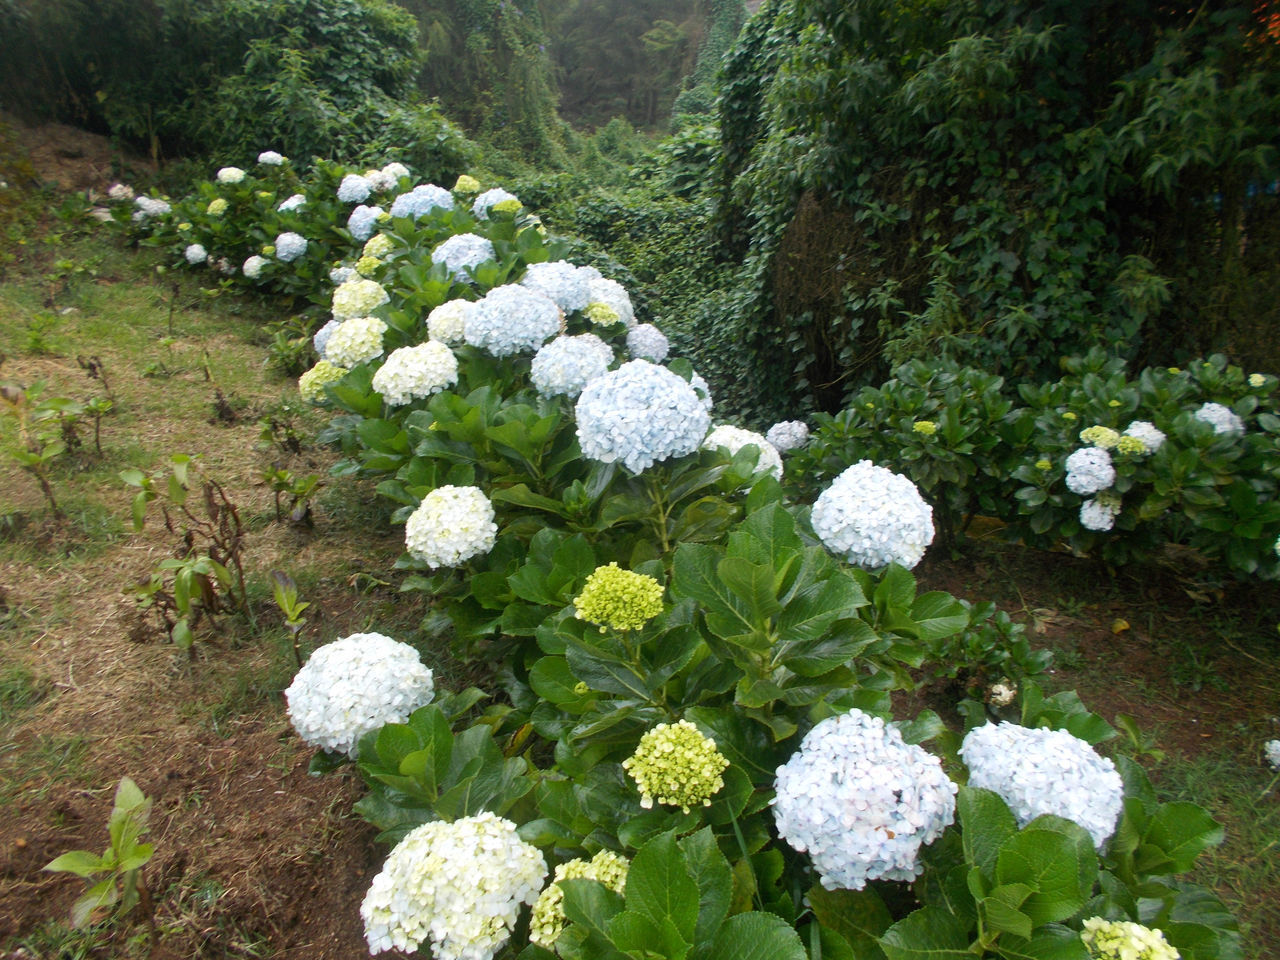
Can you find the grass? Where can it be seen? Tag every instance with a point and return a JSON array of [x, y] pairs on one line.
[[20, 689], [32, 767]]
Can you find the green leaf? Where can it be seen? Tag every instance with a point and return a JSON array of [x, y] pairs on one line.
[[711, 873], [637, 935], [1181, 831], [987, 823], [100, 895], [80, 862], [859, 916], [728, 616], [1060, 866], [1050, 942], [756, 936], [659, 886], [592, 905], [1000, 913], [938, 615], [929, 933], [895, 592]]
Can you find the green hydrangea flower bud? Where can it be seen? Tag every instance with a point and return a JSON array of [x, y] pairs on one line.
[[601, 314], [217, 207], [617, 598], [926, 427], [1104, 438], [466, 184], [676, 765], [505, 208], [1043, 465], [368, 266], [1130, 445], [311, 384]]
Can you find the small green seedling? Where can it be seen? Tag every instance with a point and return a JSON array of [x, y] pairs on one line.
[[286, 597]]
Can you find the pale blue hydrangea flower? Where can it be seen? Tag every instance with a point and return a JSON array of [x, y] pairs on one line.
[[1089, 470], [321, 338], [1038, 771], [612, 294], [150, 207], [639, 414], [195, 254], [861, 801], [292, 203], [363, 221], [511, 319], [466, 250], [647, 342], [788, 435], [270, 158], [1151, 437], [567, 364], [421, 200], [735, 438], [487, 199], [873, 517], [396, 170], [340, 275], [354, 188], [1223, 419], [560, 281], [451, 526], [290, 246]]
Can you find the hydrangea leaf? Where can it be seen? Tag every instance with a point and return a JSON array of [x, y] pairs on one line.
[[1058, 864], [710, 871], [1050, 942], [588, 906], [1180, 832], [859, 916], [746, 745], [986, 824], [659, 885], [929, 933], [728, 616], [938, 615], [756, 936]]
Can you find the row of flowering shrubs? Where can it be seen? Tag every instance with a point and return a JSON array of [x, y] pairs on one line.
[[693, 757]]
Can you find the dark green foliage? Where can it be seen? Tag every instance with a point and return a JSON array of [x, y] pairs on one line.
[[997, 183]]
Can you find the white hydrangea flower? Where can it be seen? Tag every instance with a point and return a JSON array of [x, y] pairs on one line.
[[459, 885], [1038, 771], [873, 517], [150, 207], [1089, 470], [647, 342], [511, 319], [421, 200], [1152, 438], [195, 254], [230, 175], [120, 192], [559, 280], [788, 435], [567, 364], [1223, 419], [448, 322], [321, 338], [1098, 514], [253, 266], [357, 298], [1272, 750], [861, 801], [613, 295], [639, 414], [356, 340], [379, 181], [396, 170], [1125, 940], [462, 251], [412, 373], [339, 275], [354, 188], [378, 246], [363, 221], [450, 526], [290, 246], [312, 383], [354, 685], [295, 202], [480, 209], [735, 438], [270, 158]]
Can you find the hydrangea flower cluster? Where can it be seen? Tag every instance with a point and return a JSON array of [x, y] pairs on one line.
[[567, 364], [466, 184], [363, 221], [873, 517], [395, 171], [270, 158], [368, 266], [338, 275], [1100, 513], [253, 266], [735, 438], [547, 920], [354, 188], [511, 319], [355, 685], [647, 342], [321, 337], [459, 885], [448, 322], [355, 341], [195, 254], [1037, 771], [1223, 419], [601, 291], [677, 766], [151, 207], [217, 207], [1089, 470], [462, 251], [311, 384], [229, 175], [450, 526], [480, 209], [861, 801], [378, 246], [356, 298], [1125, 940], [290, 246], [412, 373], [421, 200], [1152, 438], [120, 192], [295, 202], [926, 428], [561, 281], [640, 413], [1104, 438], [788, 435], [617, 598]]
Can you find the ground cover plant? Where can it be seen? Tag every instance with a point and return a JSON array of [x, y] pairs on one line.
[[657, 598]]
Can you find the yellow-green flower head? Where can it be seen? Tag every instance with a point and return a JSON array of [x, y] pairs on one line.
[[617, 598], [1130, 445], [547, 921], [1104, 438], [217, 207], [269, 250], [926, 427], [1043, 465], [368, 266], [869, 405], [384, 217], [184, 225], [505, 208], [1068, 415], [1257, 380], [1174, 370], [1124, 940], [311, 384], [1113, 403], [378, 246], [601, 314], [466, 184], [676, 765], [264, 194]]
